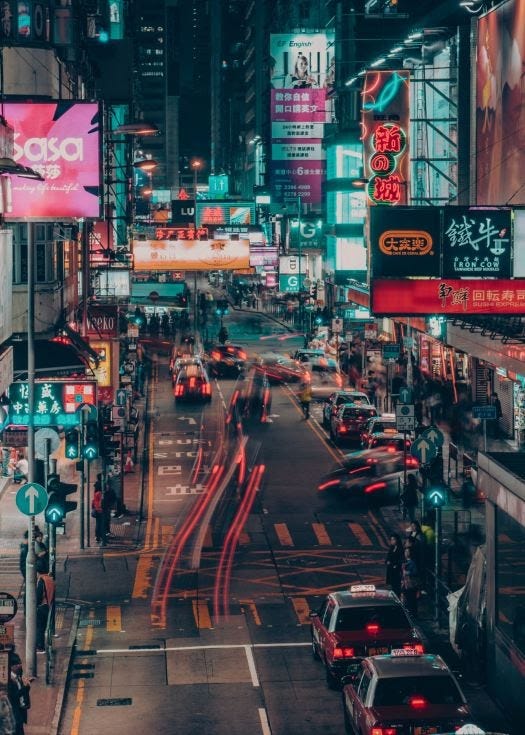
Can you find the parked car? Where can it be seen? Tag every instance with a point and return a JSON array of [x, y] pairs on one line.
[[226, 360], [359, 622], [346, 424], [372, 475], [192, 383], [390, 441], [337, 399], [382, 423], [403, 692]]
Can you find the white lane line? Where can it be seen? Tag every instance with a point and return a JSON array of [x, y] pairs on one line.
[[220, 393], [251, 665], [265, 725], [224, 646]]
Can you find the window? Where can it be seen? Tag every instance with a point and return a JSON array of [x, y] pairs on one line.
[[510, 570], [362, 689], [328, 613], [400, 690], [45, 253], [357, 618]]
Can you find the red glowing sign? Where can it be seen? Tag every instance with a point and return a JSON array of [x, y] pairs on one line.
[[396, 297], [181, 233], [385, 120]]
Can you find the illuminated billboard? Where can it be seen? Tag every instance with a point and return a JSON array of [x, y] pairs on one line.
[[405, 297], [225, 213], [385, 118], [191, 255], [61, 141], [500, 101], [57, 403]]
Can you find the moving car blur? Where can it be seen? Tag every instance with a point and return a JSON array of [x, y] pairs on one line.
[[279, 368], [226, 361]]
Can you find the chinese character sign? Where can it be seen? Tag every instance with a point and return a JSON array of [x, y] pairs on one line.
[[55, 403], [385, 121], [396, 297], [477, 242]]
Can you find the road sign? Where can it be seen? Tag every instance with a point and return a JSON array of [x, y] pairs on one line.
[[434, 436], [424, 450], [390, 351], [31, 499], [484, 412], [405, 423], [405, 409], [121, 397], [42, 436], [405, 395], [337, 326], [8, 607], [90, 412]]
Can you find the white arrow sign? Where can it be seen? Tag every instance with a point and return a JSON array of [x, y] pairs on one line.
[[31, 494], [423, 447], [187, 418]]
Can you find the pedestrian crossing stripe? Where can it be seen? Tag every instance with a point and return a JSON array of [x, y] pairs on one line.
[[283, 534]]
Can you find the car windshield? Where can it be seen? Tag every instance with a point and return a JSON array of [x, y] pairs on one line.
[[357, 618], [434, 689]]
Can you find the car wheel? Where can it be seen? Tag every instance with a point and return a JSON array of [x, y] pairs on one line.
[[315, 654], [331, 681]]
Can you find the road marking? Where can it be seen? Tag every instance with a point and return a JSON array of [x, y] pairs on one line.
[[166, 534], [170, 469], [302, 609], [244, 538], [189, 419], [216, 646], [252, 607], [156, 532], [113, 619], [188, 441], [251, 665], [185, 489], [201, 614], [79, 699], [283, 534], [312, 424], [165, 442], [142, 581], [160, 455], [208, 538], [360, 534], [321, 534], [265, 725]]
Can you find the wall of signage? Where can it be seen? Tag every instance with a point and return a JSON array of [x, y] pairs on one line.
[[441, 242]]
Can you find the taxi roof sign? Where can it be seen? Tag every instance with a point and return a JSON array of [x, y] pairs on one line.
[[363, 588]]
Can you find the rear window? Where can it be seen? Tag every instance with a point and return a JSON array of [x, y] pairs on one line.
[[380, 426], [385, 441], [434, 689], [357, 618], [357, 412]]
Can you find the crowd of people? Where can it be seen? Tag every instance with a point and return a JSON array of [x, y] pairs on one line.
[[407, 562]]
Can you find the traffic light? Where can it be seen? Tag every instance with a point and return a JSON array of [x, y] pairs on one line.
[[436, 496], [72, 448], [57, 506], [138, 318], [90, 450], [108, 443], [222, 307]]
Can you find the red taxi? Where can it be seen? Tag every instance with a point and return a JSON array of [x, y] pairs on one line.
[[360, 622], [403, 693]]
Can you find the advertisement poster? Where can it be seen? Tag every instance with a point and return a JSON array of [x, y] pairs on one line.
[[477, 242], [60, 140], [385, 119], [191, 255], [500, 106], [405, 241], [447, 296], [301, 60]]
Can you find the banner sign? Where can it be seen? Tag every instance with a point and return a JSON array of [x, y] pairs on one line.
[[393, 297], [225, 213], [385, 121], [405, 241], [190, 255], [289, 283], [61, 141], [182, 211], [56, 403], [477, 242], [308, 235]]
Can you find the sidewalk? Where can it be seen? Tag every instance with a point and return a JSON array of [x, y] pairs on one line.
[[47, 699]]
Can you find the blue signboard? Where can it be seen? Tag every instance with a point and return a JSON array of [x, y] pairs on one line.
[[484, 412]]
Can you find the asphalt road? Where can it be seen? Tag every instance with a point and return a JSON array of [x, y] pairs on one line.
[[206, 631]]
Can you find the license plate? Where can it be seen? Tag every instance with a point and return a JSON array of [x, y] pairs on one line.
[[377, 651], [425, 730]]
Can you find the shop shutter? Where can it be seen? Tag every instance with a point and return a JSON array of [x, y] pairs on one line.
[[505, 390]]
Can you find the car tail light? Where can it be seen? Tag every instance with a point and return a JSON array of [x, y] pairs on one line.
[[329, 483], [417, 647], [417, 702], [384, 731], [372, 628], [412, 462], [216, 355], [206, 389], [342, 429], [179, 390], [375, 486], [242, 355], [344, 652]]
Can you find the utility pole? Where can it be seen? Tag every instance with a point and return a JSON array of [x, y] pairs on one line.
[[299, 245], [30, 600]]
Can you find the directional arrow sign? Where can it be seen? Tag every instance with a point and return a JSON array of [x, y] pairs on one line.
[[423, 450], [187, 418], [31, 499], [436, 497], [434, 436], [405, 395], [54, 515], [90, 452]]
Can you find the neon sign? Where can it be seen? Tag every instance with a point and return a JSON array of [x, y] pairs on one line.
[[385, 118], [55, 403]]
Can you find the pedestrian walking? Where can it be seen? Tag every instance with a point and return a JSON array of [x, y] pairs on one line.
[[394, 562], [495, 401], [305, 398], [410, 584], [22, 558], [417, 542], [41, 552], [18, 692], [45, 599], [97, 512], [410, 498]]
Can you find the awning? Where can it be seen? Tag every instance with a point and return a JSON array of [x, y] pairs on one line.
[[52, 360], [81, 344]]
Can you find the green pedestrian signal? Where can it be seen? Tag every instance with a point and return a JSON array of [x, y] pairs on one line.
[[72, 447], [90, 449], [57, 506]]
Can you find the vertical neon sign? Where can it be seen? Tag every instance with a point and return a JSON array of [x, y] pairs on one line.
[[385, 122]]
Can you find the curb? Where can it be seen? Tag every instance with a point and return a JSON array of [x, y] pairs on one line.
[[64, 674]]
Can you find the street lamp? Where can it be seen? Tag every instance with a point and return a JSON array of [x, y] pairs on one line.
[[137, 128], [196, 165]]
